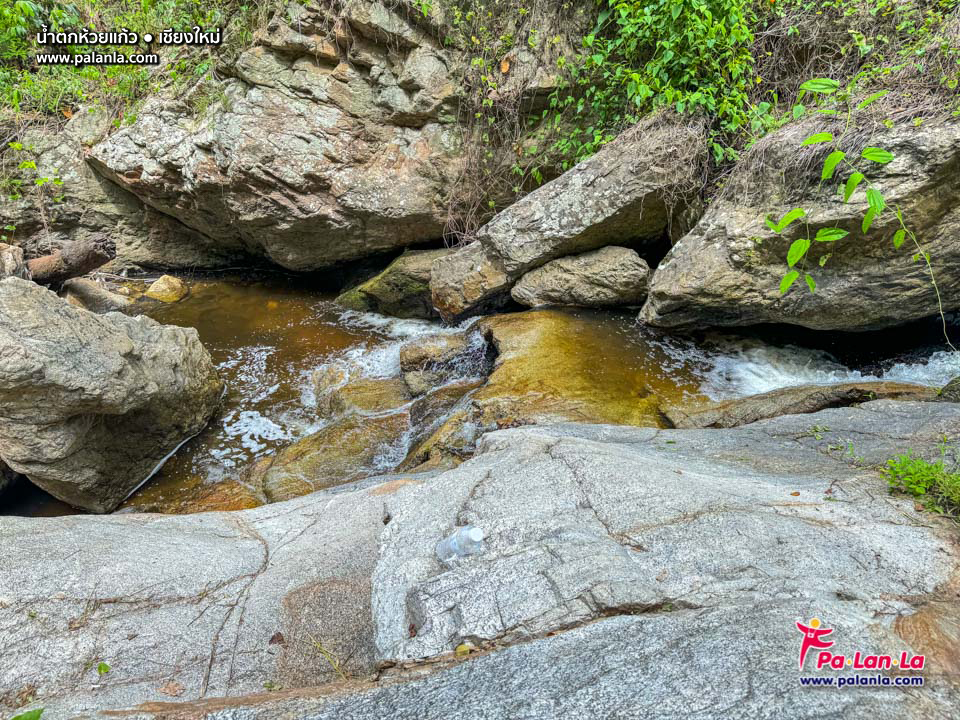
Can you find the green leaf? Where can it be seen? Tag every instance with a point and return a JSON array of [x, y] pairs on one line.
[[29, 715], [898, 238], [102, 669], [825, 86], [852, 183], [877, 155], [875, 200], [788, 280], [798, 111], [830, 234], [830, 164], [868, 220], [797, 250], [811, 283], [824, 258], [790, 217], [872, 99], [818, 138]]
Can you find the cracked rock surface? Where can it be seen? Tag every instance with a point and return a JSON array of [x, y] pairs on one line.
[[628, 572]]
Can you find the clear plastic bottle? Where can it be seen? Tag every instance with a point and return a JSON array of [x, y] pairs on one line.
[[465, 541]]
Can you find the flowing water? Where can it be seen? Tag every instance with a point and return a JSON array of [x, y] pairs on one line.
[[267, 335]]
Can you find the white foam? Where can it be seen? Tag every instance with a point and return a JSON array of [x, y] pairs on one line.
[[760, 369]]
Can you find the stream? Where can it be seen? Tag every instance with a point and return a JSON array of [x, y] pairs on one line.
[[268, 335]]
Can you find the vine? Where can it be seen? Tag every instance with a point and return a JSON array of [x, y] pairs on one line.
[[835, 162]]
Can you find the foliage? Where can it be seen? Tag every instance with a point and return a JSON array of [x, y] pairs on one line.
[[934, 486], [50, 90], [35, 714], [691, 55]]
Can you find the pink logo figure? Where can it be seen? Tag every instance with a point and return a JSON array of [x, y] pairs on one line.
[[812, 638]]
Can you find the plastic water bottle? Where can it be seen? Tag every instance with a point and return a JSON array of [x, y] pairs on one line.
[[465, 541]]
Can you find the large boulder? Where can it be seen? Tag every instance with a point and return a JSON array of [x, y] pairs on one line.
[[317, 149], [92, 404], [626, 572], [627, 192], [606, 277], [793, 401], [727, 270], [402, 290], [76, 206]]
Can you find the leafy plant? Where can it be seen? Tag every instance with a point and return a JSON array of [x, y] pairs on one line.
[[934, 486], [102, 668], [34, 714], [691, 55], [838, 163]]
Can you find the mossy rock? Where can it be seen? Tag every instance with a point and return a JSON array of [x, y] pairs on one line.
[[342, 452], [402, 290], [563, 366]]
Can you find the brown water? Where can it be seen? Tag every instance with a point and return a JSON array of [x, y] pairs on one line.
[[267, 335]]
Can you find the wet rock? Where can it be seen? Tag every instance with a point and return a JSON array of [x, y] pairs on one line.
[[12, 263], [402, 290], [951, 391], [793, 401], [431, 361], [353, 447], [167, 289], [606, 277], [601, 543], [727, 270], [342, 149], [368, 396], [93, 403], [560, 366], [623, 193], [91, 295]]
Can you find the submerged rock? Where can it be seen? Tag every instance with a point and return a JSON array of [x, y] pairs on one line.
[[605, 545], [93, 403], [353, 447], [167, 289], [624, 193], [559, 366], [727, 270], [606, 277], [402, 290], [793, 401]]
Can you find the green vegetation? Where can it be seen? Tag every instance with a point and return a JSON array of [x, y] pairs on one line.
[[29, 715], [30, 90], [934, 486]]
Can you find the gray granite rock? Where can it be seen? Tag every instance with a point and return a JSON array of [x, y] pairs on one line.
[[606, 277], [727, 270], [625, 193], [628, 573], [92, 404]]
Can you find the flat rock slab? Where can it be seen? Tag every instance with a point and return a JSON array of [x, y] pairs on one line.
[[716, 664], [185, 607], [628, 572]]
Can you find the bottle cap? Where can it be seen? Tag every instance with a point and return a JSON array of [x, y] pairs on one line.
[[475, 534]]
